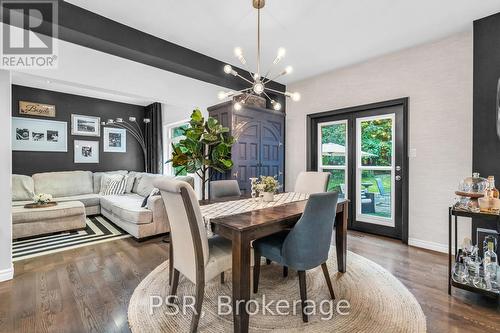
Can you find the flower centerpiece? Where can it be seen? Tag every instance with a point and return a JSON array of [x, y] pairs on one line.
[[268, 186], [42, 198]]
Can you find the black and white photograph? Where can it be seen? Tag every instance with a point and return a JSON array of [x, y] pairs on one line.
[[22, 134], [86, 151], [115, 140], [52, 136], [37, 136], [85, 125], [29, 134]]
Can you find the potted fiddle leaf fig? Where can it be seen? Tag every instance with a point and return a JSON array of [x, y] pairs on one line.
[[206, 147]]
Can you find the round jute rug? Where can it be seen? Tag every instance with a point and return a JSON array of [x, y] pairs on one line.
[[378, 302]]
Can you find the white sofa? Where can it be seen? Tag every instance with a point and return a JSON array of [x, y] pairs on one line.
[[84, 186]]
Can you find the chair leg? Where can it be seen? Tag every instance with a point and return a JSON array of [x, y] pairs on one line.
[[222, 278], [268, 262], [174, 282], [170, 262], [303, 294], [200, 290], [256, 271], [328, 280], [285, 271]]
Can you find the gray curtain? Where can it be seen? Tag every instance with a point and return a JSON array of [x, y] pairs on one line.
[[154, 139]]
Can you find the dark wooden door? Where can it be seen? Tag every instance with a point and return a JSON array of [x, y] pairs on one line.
[[247, 152], [271, 162]]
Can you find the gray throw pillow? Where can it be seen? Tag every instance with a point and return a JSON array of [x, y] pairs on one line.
[[145, 185]]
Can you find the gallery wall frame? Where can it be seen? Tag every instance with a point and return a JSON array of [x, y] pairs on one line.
[[85, 125], [29, 134], [114, 140], [86, 151]]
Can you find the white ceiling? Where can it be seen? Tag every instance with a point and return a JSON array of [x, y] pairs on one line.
[[319, 35]]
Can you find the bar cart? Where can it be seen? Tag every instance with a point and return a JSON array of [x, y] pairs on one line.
[[493, 221]]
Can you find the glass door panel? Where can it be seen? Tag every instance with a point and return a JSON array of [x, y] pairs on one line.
[[332, 154], [375, 170]]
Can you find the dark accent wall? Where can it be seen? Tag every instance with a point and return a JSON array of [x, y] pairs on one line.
[[486, 143], [28, 163]]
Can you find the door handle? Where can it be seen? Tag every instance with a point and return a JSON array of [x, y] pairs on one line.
[[398, 178]]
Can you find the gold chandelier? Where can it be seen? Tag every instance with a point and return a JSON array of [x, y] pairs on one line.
[[258, 85]]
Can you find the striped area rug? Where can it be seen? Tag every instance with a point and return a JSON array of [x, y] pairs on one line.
[[98, 230]]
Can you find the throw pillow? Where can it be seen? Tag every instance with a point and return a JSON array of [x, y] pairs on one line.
[[145, 185], [113, 184], [154, 192]]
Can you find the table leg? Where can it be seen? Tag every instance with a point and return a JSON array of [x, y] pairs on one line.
[[341, 238], [241, 281], [456, 235], [449, 252]]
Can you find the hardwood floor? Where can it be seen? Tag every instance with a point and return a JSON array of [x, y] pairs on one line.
[[88, 289]]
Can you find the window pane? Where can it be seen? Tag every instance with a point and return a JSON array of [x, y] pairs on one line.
[[376, 193], [337, 182], [376, 142], [333, 143], [179, 131]]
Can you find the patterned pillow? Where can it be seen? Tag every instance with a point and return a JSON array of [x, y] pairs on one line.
[[113, 184], [154, 192]]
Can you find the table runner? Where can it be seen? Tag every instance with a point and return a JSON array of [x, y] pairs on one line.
[[226, 208]]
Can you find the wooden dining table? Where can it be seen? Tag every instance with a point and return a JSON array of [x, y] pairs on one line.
[[243, 228]]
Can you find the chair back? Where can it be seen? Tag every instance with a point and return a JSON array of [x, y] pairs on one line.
[[187, 230], [312, 182], [380, 186], [224, 188], [308, 244]]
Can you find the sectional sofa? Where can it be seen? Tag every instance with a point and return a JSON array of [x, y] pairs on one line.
[[84, 186]]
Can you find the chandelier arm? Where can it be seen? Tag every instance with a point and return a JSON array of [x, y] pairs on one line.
[[276, 91], [244, 78], [275, 77]]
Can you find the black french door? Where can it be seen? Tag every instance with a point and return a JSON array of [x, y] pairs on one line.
[[364, 149]]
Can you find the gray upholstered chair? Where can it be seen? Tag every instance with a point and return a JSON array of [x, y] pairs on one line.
[[198, 258], [224, 188], [312, 182], [304, 247]]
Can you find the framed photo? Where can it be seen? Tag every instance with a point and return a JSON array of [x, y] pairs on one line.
[[86, 151], [115, 140], [30, 134], [85, 125]]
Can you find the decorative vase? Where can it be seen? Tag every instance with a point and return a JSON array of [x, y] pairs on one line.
[[268, 196]]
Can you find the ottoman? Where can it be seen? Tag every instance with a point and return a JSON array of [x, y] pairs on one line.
[[64, 216]]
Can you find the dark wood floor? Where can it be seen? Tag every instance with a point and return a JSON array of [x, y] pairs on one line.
[[88, 289]]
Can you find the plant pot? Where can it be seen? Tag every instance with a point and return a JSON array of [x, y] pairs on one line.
[[268, 196]]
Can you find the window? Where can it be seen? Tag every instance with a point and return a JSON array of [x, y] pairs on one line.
[[173, 133]]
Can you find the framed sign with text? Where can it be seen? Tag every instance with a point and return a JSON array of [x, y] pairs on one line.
[[37, 109]]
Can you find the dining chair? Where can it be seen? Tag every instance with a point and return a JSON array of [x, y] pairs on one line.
[[198, 258], [304, 247], [224, 188], [310, 182]]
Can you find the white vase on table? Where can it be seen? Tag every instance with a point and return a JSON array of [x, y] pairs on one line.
[[268, 196]]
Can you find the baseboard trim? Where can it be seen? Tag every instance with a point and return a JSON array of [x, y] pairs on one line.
[[433, 246], [7, 274]]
